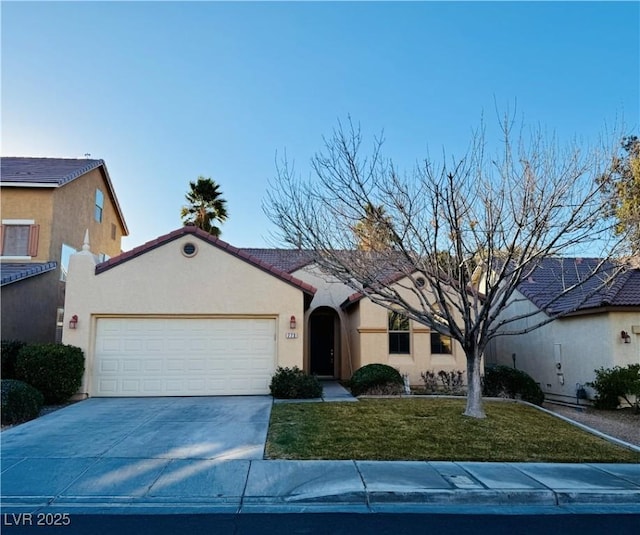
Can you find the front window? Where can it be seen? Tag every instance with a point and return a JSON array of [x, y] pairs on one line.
[[19, 238], [99, 205], [441, 344], [399, 334]]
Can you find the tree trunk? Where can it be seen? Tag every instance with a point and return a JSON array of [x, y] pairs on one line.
[[474, 387]]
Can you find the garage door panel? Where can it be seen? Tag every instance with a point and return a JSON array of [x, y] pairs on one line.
[[129, 366], [108, 385], [108, 365], [182, 357]]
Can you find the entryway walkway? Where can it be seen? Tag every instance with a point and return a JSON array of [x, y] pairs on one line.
[[331, 391], [334, 391]]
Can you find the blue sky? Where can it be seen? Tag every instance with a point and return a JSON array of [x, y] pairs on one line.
[[167, 91]]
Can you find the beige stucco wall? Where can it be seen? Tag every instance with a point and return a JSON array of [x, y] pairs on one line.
[[364, 333], [374, 346], [580, 344], [73, 213], [164, 282]]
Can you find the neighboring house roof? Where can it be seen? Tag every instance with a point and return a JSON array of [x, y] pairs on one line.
[[17, 272], [53, 173], [216, 242], [287, 260], [553, 275]]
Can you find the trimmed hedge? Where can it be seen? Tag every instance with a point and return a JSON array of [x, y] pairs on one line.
[[503, 381], [374, 378], [54, 369], [10, 350], [293, 383], [20, 401]]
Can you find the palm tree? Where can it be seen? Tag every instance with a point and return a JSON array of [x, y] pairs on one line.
[[206, 206]]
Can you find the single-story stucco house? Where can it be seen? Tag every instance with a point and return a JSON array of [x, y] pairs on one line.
[[188, 314], [596, 326]]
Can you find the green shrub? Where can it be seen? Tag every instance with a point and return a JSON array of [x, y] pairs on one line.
[[503, 381], [611, 384], [10, 350], [371, 378], [293, 383], [54, 369], [20, 401]]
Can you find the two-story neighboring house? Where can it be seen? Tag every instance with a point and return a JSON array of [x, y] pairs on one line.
[[47, 204]]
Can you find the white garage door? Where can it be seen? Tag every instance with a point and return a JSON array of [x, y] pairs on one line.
[[183, 357]]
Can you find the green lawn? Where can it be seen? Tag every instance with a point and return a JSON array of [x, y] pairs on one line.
[[430, 429]]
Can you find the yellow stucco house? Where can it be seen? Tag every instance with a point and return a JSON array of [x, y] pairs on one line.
[[188, 314], [46, 205]]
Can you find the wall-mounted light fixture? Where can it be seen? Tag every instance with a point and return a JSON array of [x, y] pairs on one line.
[[625, 336], [73, 322], [292, 322]]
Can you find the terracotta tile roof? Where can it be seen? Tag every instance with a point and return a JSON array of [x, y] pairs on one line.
[[20, 271], [550, 278], [291, 260], [216, 242], [287, 260], [53, 172]]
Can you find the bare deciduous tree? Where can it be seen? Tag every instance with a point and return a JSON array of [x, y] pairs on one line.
[[463, 232]]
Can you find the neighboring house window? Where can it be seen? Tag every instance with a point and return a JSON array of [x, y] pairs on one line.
[[59, 324], [19, 238], [102, 257], [65, 256], [99, 205], [399, 334], [113, 231], [440, 344]]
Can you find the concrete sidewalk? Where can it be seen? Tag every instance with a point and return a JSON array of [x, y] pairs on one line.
[[135, 486]]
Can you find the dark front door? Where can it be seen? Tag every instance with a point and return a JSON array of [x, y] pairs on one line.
[[321, 341]]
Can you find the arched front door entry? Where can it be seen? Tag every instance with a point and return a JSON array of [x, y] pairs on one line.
[[323, 336]]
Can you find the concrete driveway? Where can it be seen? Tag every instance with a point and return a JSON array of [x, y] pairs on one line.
[[123, 446]]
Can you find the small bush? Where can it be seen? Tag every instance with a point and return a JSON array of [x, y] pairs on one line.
[[10, 350], [443, 382], [503, 381], [611, 384], [54, 369], [20, 401], [430, 379], [374, 377], [293, 383]]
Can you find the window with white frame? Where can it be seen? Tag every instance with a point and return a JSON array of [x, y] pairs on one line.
[[399, 334], [19, 238], [99, 205]]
